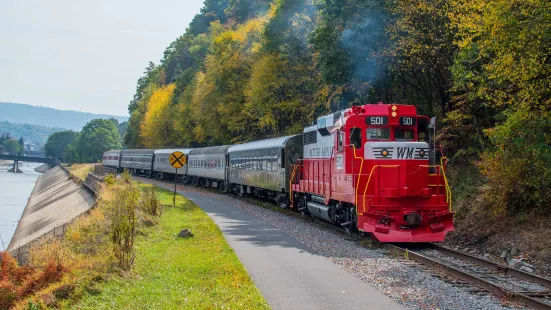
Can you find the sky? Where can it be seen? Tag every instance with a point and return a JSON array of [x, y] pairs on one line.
[[84, 55]]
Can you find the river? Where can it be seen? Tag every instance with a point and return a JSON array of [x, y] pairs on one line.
[[15, 189]]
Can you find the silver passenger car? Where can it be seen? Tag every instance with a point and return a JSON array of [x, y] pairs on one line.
[[137, 161], [111, 159], [264, 164], [208, 164], [161, 165]]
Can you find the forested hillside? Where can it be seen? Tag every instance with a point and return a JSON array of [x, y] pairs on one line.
[[33, 134], [253, 69], [48, 117]]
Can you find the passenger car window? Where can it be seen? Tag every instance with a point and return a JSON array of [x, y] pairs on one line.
[[404, 134], [377, 133]]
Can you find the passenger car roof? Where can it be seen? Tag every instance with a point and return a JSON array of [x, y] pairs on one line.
[[210, 150], [138, 152], [262, 144]]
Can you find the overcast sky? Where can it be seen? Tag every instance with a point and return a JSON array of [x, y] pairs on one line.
[[84, 55]]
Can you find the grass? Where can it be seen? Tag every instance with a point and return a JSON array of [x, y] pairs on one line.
[[81, 170], [201, 272]]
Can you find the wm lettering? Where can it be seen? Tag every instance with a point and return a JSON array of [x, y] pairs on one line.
[[405, 152]]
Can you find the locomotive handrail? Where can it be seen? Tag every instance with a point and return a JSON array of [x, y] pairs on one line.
[[291, 184], [369, 179], [448, 190], [446, 184], [359, 176]]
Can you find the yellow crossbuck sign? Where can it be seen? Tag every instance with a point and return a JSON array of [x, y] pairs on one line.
[[177, 159]]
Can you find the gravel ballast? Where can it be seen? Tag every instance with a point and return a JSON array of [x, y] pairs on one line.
[[407, 282]]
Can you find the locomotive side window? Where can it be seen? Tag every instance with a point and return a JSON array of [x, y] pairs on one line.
[[401, 134], [340, 141], [356, 137], [423, 130], [377, 133]]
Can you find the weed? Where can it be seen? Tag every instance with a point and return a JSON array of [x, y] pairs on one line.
[[367, 243], [150, 203], [126, 177], [110, 179], [32, 305]]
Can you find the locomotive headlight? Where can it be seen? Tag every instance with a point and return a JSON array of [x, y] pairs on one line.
[[394, 108], [422, 153], [394, 114], [384, 152]]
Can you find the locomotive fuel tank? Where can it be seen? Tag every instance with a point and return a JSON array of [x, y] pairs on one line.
[[318, 210]]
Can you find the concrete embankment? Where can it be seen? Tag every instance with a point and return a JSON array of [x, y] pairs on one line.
[[55, 201], [42, 168]]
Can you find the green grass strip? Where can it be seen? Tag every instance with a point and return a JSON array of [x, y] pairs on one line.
[[201, 272]]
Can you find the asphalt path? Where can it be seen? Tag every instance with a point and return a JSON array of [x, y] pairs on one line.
[[287, 273]]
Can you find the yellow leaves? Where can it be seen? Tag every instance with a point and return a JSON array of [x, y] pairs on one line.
[[157, 121], [509, 37]]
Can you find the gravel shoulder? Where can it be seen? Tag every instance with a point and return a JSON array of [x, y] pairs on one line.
[[404, 281]]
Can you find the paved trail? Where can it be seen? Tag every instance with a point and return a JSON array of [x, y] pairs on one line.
[[289, 275]]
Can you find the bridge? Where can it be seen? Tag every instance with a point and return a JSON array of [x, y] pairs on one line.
[[16, 159]]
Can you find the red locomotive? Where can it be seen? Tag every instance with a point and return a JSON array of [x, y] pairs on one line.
[[375, 168]]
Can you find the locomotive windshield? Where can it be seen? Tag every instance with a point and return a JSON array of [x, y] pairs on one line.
[[401, 134], [378, 133]]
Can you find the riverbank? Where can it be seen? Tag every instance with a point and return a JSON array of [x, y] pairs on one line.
[[168, 272], [55, 200]]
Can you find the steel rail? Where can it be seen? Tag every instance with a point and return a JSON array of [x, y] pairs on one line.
[[495, 266], [477, 281]]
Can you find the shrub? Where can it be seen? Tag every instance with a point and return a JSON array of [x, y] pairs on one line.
[[150, 203], [110, 179], [17, 283], [518, 168], [7, 294], [52, 272], [122, 209], [126, 177]]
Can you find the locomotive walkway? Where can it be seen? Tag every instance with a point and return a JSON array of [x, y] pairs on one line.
[[287, 273]]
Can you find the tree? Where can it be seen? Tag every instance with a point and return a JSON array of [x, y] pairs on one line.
[[96, 137], [21, 146], [503, 65], [71, 154], [122, 128], [57, 142], [12, 146], [158, 121]]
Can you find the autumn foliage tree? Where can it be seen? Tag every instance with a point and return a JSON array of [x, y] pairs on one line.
[[249, 69], [158, 119]]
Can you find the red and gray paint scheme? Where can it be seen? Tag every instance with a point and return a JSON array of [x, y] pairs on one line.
[[372, 168]]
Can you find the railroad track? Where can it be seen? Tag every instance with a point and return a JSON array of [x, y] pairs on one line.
[[505, 282]]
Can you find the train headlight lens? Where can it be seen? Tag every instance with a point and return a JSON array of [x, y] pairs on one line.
[[394, 114], [422, 153], [384, 152], [394, 108]]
